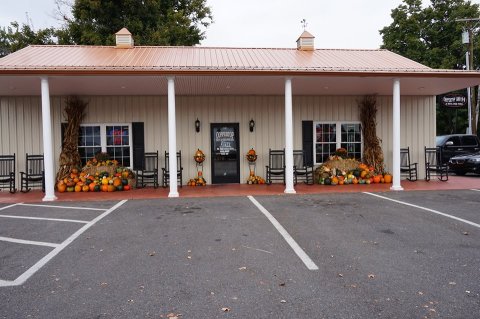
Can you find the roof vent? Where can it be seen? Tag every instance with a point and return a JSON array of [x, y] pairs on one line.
[[306, 42], [124, 39]]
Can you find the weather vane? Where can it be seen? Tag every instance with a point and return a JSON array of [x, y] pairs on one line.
[[304, 24]]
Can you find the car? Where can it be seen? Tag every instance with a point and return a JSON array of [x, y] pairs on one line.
[[463, 164], [457, 144]]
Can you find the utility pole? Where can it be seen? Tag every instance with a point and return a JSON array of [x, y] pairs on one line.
[[467, 37]]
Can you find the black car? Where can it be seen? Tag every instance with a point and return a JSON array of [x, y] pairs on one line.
[[457, 144], [463, 164]]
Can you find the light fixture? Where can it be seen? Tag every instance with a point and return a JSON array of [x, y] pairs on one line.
[[197, 125], [251, 125]]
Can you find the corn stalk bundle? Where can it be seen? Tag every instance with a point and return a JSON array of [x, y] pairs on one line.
[[372, 150], [70, 157]]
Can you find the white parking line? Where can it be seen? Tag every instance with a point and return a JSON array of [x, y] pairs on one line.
[[296, 248], [63, 207], [427, 209], [32, 270], [475, 190], [9, 206], [44, 218], [28, 242]]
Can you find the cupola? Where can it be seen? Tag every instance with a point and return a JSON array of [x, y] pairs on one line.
[[124, 39], [306, 42]]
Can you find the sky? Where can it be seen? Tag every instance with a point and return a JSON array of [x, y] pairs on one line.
[[352, 24]]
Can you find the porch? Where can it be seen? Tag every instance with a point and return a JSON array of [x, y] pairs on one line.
[[453, 183]]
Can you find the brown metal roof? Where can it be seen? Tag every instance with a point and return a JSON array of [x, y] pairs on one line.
[[102, 59]]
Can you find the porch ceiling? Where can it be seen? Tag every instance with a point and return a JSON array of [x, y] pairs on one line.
[[426, 84]]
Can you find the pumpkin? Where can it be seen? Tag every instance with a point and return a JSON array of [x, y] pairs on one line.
[[111, 188], [78, 188], [124, 181], [70, 189], [117, 182], [104, 187], [377, 178], [126, 187], [85, 188], [61, 187], [327, 181], [388, 178]]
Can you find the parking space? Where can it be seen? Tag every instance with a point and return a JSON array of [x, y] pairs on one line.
[[225, 257], [32, 234]]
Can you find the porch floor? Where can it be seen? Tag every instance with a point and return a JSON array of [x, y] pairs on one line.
[[454, 182]]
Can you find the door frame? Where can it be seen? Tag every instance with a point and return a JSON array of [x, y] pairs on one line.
[[236, 129]]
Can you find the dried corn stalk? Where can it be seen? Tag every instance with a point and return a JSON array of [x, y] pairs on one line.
[[69, 157], [372, 150]]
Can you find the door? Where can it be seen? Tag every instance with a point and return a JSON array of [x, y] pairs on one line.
[[225, 153]]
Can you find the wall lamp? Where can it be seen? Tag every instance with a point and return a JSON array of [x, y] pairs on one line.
[[197, 125], [251, 125]]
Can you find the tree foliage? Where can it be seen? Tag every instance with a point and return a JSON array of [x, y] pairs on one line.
[[95, 22], [432, 36], [14, 37], [152, 22]]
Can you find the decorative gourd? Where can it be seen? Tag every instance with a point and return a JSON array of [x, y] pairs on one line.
[[199, 157]]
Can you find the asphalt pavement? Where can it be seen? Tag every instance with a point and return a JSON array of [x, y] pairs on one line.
[[383, 255]]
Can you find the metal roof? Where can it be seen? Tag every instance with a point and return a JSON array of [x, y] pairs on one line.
[[201, 59], [221, 71]]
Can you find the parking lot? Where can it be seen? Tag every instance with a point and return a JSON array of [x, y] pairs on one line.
[[356, 255]]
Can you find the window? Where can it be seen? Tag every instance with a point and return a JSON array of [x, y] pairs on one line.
[[115, 139], [89, 142], [331, 136]]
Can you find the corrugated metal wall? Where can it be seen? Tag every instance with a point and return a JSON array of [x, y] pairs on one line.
[[21, 132]]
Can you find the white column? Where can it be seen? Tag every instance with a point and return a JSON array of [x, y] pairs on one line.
[[396, 136], [172, 138], [288, 138], [47, 142]]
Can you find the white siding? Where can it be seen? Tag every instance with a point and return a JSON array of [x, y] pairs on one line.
[[20, 120]]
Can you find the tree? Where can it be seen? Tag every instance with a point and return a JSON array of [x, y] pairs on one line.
[[432, 36], [152, 22], [95, 22], [15, 37]]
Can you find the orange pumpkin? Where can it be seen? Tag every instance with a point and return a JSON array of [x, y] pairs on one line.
[[117, 182], [111, 188], [126, 187], [61, 187], [85, 188], [78, 188], [104, 188], [91, 186], [388, 178], [376, 178]]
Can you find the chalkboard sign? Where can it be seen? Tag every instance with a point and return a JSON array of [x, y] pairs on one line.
[[224, 141]]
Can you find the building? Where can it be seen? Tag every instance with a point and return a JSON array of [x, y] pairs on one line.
[[291, 96]]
